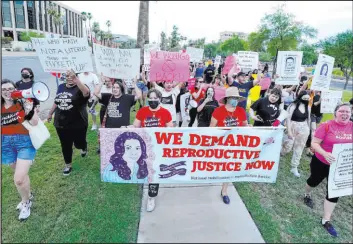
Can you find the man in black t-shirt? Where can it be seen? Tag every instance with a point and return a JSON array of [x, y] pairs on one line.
[[209, 73]]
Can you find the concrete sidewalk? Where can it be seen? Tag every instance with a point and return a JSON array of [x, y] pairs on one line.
[[196, 213]]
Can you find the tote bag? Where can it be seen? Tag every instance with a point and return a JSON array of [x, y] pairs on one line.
[[38, 133]]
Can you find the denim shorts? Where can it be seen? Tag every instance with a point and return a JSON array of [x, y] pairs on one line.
[[142, 86], [315, 119], [16, 146]]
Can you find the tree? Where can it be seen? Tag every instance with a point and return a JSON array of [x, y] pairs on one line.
[[26, 36], [198, 43], [163, 41], [256, 41], [108, 24], [265, 57], [52, 11], [211, 49], [95, 29], [233, 45], [128, 45], [309, 54], [143, 27], [175, 38], [282, 32], [89, 17], [340, 47], [84, 19]]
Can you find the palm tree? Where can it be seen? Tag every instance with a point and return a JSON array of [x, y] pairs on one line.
[[52, 10], [101, 36], [108, 24], [84, 19], [143, 26], [89, 17], [95, 29]]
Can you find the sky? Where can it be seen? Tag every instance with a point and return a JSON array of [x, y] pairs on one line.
[[207, 19]]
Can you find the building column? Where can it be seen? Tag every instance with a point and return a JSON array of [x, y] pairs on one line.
[[26, 14], [71, 23], [36, 6], [41, 5], [12, 9], [48, 18]]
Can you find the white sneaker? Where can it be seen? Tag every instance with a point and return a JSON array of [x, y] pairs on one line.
[[25, 210], [150, 204], [19, 206], [295, 172], [94, 127]]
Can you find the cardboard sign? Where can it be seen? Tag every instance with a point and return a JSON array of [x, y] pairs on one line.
[[63, 54], [323, 73], [340, 180], [190, 155], [329, 101], [191, 83], [169, 66], [289, 67], [248, 60], [196, 54], [147, 48]]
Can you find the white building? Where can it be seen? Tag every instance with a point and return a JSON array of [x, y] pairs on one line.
[[225, 35], [23, 16]]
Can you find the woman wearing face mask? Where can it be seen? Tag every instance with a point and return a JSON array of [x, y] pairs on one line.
[[17, 149], [336, 131], [197, 94], [153, 115], [26, 82], [71, 117], [206, 108], [229, 115], [267, 109], [298, 127]]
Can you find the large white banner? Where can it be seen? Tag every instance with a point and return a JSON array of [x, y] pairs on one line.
[[190, 155], [196, 54], [323, 73], [288, 67], [248, 60], [329, 100], [340, 180], [62, 54], [117, 63], [147, 48]]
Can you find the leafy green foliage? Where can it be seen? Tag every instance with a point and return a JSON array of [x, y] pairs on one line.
[[233, 45], [175, 37], [265, 57], [6, 40], [163, 41], [309, 54], [26, 36]]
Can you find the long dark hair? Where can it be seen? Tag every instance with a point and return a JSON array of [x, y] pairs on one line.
[[29, 71], [6, 81], [120, 165], [214, 93]]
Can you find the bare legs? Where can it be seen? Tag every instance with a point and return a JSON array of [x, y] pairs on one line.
[[21, 178]]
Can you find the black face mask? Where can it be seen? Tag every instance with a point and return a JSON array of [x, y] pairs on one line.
[[25, 76], [153, 104]]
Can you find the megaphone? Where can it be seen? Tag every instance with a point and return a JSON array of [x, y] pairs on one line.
[[39, 91]]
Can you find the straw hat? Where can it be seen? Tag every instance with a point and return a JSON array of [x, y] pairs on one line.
[[232, 92]]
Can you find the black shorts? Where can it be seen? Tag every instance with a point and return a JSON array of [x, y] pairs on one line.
[[318, 172]]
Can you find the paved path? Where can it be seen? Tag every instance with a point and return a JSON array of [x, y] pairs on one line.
[[196, 213]]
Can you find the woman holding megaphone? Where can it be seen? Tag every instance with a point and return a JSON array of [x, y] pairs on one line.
[[71, 117], [16, 146]]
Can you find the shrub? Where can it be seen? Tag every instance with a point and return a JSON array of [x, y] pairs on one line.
[[6, 40]]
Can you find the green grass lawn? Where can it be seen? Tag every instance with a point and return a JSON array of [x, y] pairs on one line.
[[81, 208]]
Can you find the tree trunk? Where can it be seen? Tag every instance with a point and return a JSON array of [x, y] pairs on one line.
[[143, 26], [347, 75], [274, 65]]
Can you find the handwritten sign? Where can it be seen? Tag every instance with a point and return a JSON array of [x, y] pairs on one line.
[[340, 179], [191, 83], [62, 54], [329, 100], [190, 155], [169, 66], [228, 64], [289, 67], [196, 54], [248, 60], [105, 59], [147, 48], [323, 73]]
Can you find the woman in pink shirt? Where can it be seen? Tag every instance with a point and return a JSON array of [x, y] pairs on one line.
[[336, 131]]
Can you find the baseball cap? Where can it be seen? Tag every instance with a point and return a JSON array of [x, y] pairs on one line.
[[241, 74]]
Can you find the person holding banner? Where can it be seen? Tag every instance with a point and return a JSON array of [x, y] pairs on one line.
[[336, 131], [206, 108], [17, 149], [153, 115], [197, 92], [71, 117], [298, 127], [229, 115], [26, 82]]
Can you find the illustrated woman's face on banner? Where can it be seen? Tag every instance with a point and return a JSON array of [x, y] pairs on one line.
[[132, 150]]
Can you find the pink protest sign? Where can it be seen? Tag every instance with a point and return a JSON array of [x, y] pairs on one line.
[[265, 83], [169, 66], [228, 64], [191, 83], [219, 92]]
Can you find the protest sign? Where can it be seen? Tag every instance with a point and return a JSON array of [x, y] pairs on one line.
[[340, 179], [196, 54], [62, 54], [217, 60], [191, 83], [169, 66], [146, 67], [248, 60], [329, 100], [228, 64], [147, 48], [184, 106], [219, 92], [288, 67], [105, 59], [323, 73], [265, 83], [190, 155]]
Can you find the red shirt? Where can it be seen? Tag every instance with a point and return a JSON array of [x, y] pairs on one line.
[[229, 119], [149, 118], [202, 94], [11, 120]]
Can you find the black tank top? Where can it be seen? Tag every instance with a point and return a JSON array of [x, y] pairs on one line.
[[298, 116]]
